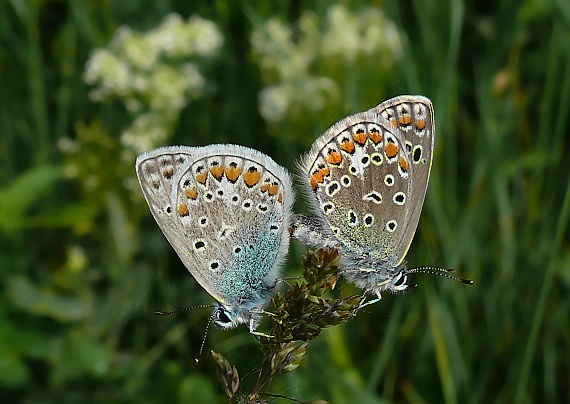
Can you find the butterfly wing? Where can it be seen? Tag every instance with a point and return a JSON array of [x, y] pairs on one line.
[[366, 176], [156, 171], [230, 209]]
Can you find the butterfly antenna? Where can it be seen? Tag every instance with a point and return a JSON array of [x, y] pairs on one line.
[[440, 272], [168, 313], [197, 358]]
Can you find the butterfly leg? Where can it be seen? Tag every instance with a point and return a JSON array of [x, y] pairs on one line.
[[372, 301], [253, 325]]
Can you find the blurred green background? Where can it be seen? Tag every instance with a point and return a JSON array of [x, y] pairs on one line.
[[87, 85]]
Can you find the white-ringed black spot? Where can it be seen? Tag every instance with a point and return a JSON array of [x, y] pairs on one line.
[[199, 244], [208, 196], [168, 209], [376, 158], [368, 220], [353, 170], [235, 198], [389, 180], [391, 226], [328, 207], [345, 181], [417, 156], [203, 221], [399, 198], [365, 160], [262, 207], [246, 205], [373, 196], [332, 188], [237, 250], [352, 218], [214, 265], [220, 193]]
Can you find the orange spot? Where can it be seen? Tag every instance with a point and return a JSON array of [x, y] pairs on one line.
[[233, 172], [391, 150], [314, 183], [191, 193], [347, 146], [217, 171], [405, 119], [420, 124], [404, 164], [334, 157], [273, 189], [393, 122], [265, 187], [360, 138], [183, 210], [280, 198], [375, 137], [251, 177], [201, 177]]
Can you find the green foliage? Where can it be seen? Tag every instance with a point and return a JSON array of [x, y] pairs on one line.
[[83, 266]]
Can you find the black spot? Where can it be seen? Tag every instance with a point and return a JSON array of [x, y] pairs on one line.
[[252, 169], [417, 154], [374, 130], [346, 180], [220, 192], [235, 198], [247, 205], [203, 221], [353, 170], [376, 158], [237, 250], [209, 196], [352, 217], [199, 244], [333, 186], [273, 227], [392, 225], [199, 169], [344, 139], [368, 220], [233, 164], [320, 166], [364, 160], [328, 207], [156, 185], [215, 163], [409, 147], [359, 131], [390, 140], [187, 183], [376, 197], [181, 160], [168, 209], [400, 198], [214, 265], [262, 208], [251, 246], [389, 180]]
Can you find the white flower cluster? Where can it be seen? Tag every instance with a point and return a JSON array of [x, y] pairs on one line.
[[289, 66], [153, 73]]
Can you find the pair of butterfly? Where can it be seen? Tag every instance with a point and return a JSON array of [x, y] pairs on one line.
[[227, 209]]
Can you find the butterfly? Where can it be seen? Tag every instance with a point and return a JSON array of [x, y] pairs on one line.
[[226, 210], [366, 179]]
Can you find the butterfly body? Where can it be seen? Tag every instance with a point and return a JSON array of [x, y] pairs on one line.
[[366, 178], [225, 209]]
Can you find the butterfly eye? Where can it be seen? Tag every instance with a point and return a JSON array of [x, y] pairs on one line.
[[222, 317]]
